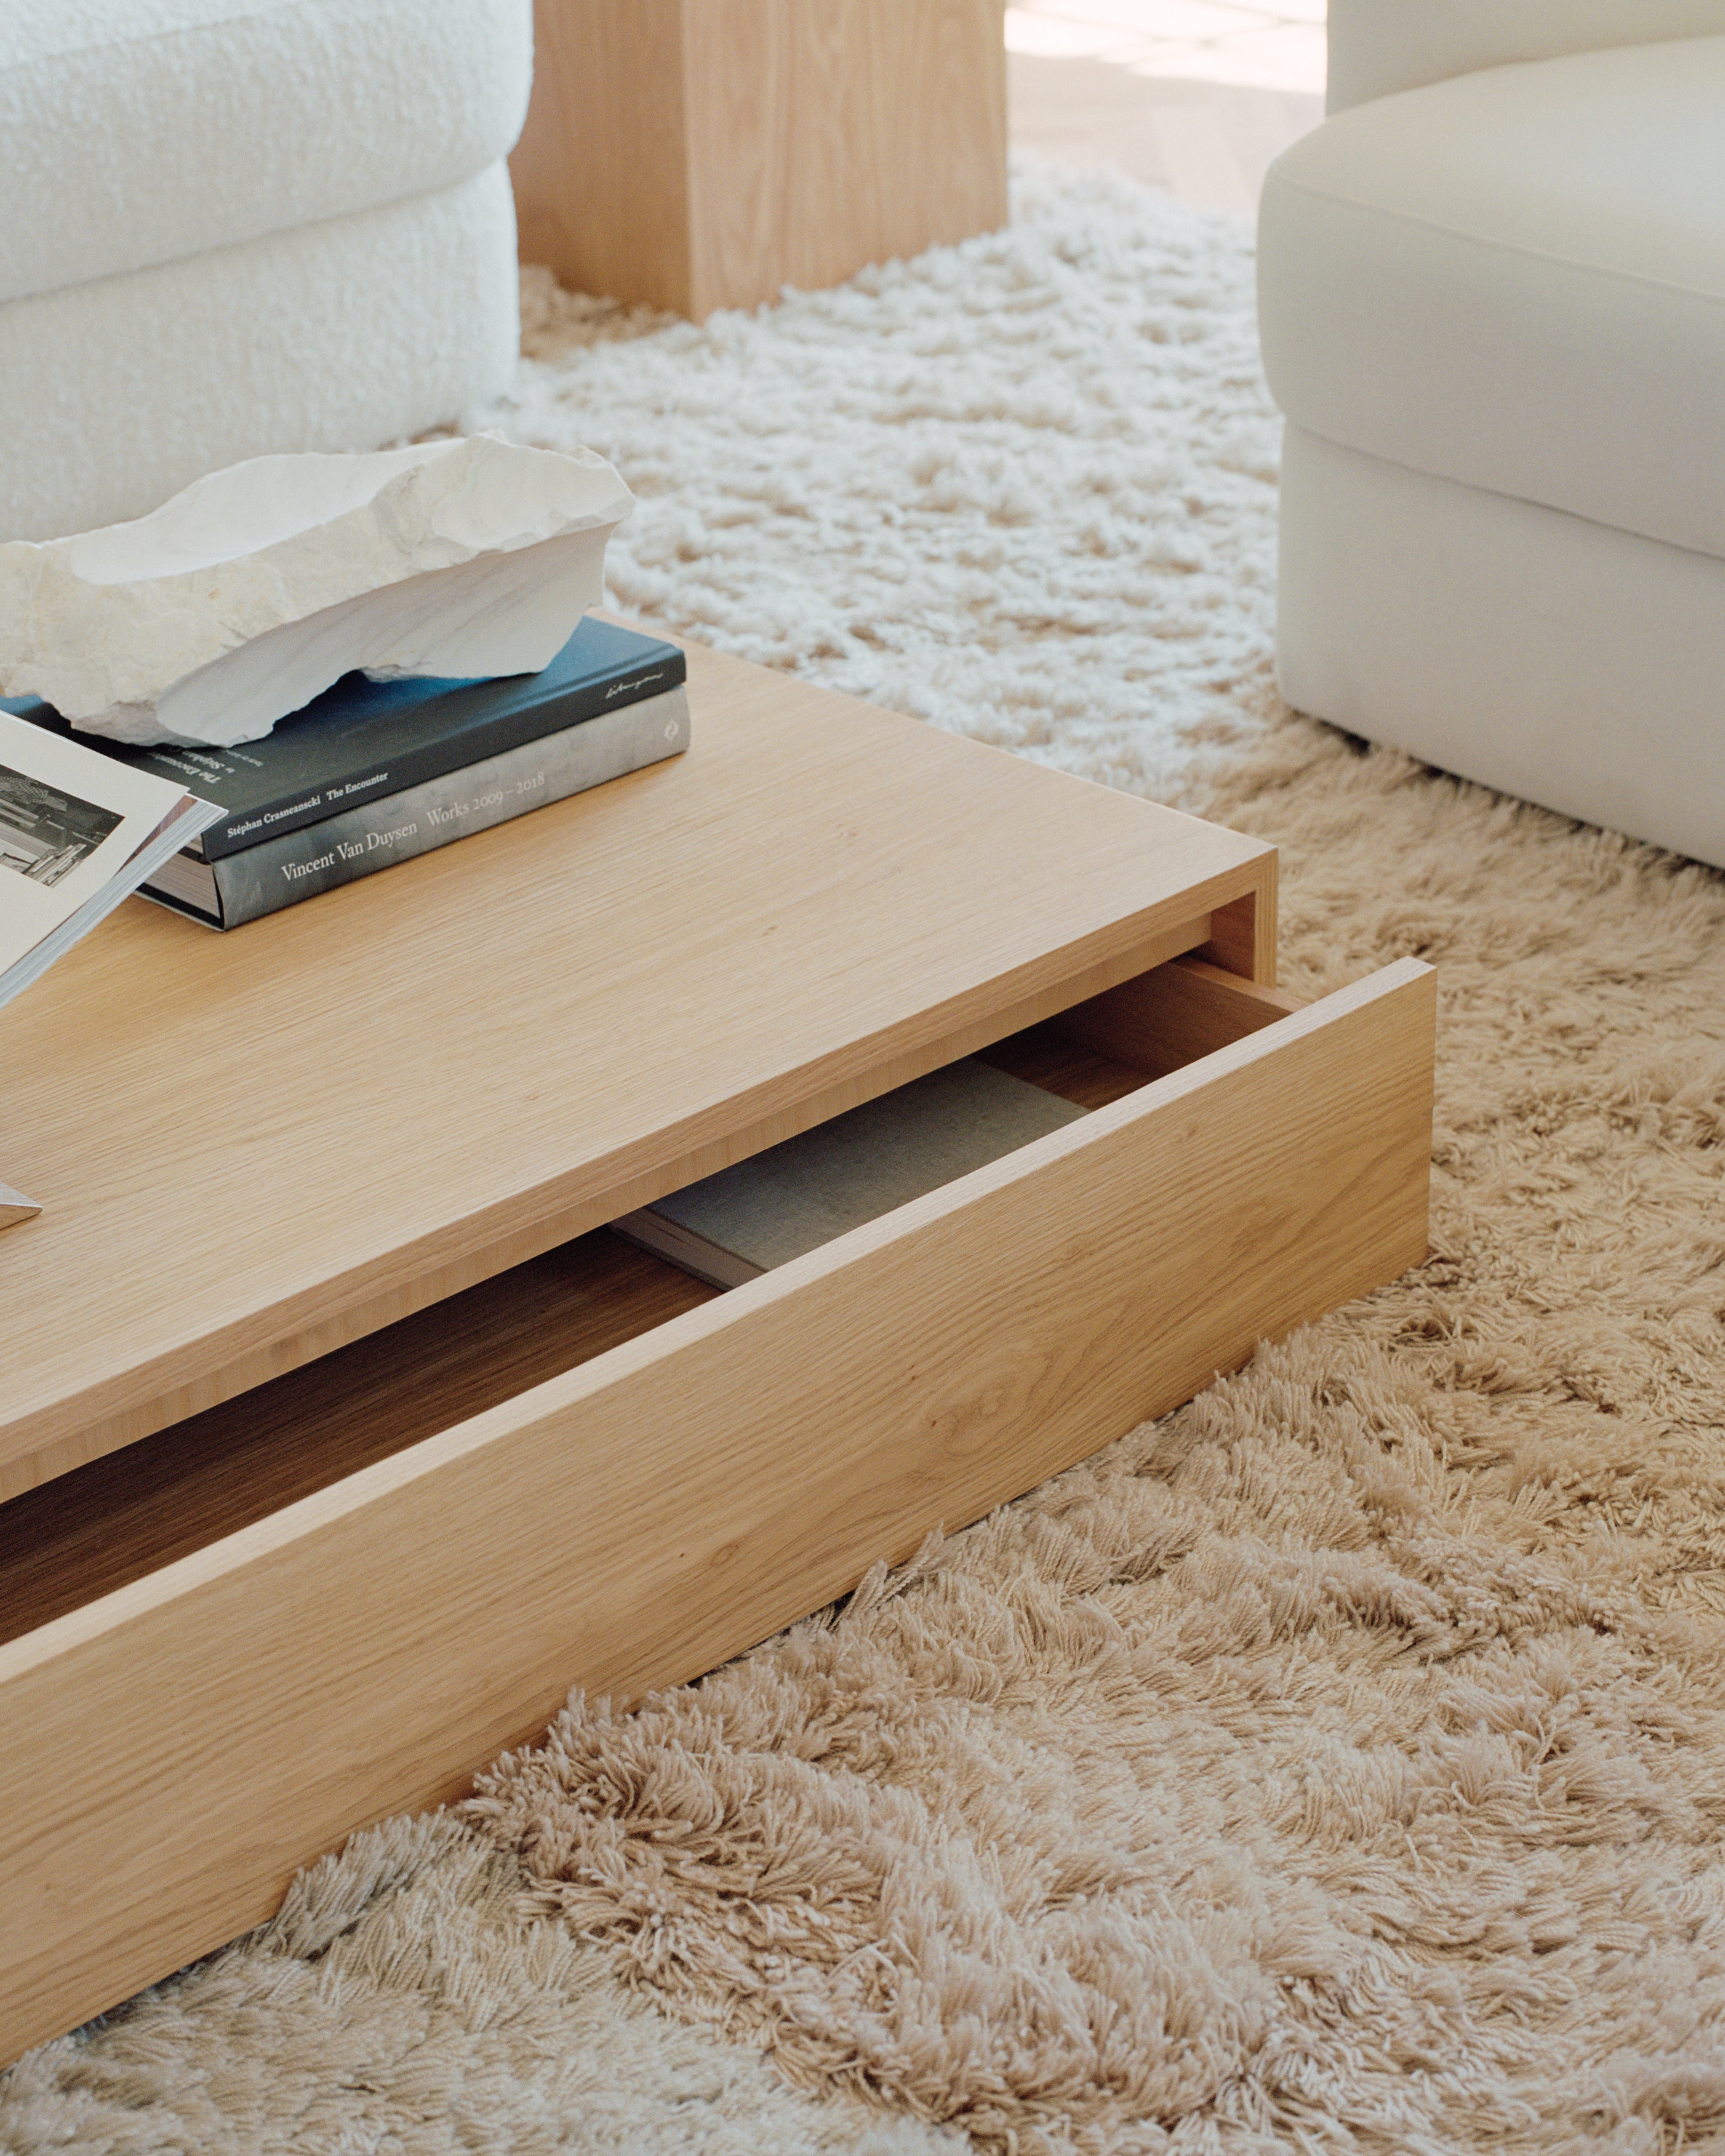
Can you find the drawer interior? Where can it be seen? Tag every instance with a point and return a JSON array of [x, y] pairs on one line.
[[127, 1514]]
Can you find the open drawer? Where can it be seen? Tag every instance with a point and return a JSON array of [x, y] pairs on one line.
[[230, 1645]]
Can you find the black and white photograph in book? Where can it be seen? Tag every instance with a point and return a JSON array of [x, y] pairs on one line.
[[44, 833]]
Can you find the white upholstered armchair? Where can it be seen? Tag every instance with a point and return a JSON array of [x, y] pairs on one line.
[[1492, 301]]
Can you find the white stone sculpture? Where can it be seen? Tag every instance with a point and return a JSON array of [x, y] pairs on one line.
[[247, 595]]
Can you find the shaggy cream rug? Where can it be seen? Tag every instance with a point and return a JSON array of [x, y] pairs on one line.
[[1338, 1764], [1025, 488]]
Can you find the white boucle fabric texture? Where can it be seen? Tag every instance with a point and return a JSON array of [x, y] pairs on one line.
[[137, 132], [340, 336], [1024, 488]]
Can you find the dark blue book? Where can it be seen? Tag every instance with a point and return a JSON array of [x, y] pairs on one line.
[[363, 741]]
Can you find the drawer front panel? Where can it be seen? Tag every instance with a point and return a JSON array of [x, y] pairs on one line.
[[169, 1755]]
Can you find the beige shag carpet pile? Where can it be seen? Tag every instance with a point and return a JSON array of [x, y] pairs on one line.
[[1340, 1763], [1337, 1765]]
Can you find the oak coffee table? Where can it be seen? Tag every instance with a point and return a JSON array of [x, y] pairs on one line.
[[339, 1439]]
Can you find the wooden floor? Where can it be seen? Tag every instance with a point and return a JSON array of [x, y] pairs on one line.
[[1131, 83]]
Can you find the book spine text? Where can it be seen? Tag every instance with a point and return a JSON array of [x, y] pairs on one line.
[[341, 848], [529, 721]]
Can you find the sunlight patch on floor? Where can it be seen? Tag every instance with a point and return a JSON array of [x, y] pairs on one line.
[[1279, 46]]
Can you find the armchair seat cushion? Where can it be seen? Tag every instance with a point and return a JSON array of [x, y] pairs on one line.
[[1464, 278], [136, 132]]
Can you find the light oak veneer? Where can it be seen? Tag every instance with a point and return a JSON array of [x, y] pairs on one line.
[[695, 154], [253, 1148], [365, 1648], [250, 1622]]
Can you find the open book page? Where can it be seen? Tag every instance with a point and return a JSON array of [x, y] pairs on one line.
[[78, 831]]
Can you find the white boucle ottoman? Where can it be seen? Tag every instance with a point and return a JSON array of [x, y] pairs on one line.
[[238, 226]]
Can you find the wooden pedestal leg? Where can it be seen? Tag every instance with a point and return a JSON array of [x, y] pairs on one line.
[[695, 154]]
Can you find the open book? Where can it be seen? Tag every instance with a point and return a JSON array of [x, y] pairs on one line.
[[78, 832]]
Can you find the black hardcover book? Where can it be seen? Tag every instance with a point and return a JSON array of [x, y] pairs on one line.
[[385, 828], [362, 739]]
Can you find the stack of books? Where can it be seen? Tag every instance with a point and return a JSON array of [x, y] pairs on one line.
[[373, 772]]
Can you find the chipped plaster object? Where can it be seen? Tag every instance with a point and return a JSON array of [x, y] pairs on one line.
[[248, 594]]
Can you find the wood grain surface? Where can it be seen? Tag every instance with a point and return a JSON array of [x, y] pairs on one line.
[[1047, 1056], [251, 1149], [1172, 1017], [695, 154], [1243, 934], [1208, 142], [176, 1749], [82, 1535], [600, 172]]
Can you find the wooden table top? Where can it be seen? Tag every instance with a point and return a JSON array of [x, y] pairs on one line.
[[251, 1147]]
